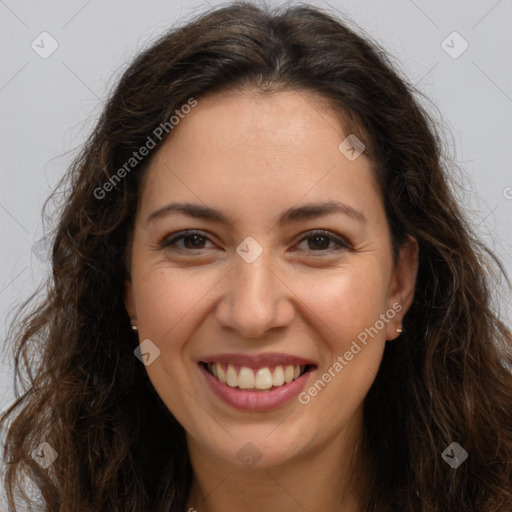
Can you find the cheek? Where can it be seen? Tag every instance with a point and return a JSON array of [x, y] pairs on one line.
[[169, 305], [348, 301], [352, 342], [166, 300]]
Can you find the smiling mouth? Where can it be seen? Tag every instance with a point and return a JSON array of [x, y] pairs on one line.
[[266, 378]]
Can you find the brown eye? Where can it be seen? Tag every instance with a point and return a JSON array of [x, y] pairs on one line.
[[319, 241], [192, 240]]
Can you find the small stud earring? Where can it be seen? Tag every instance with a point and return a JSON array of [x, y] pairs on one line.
[[134, 328], [400, 329]]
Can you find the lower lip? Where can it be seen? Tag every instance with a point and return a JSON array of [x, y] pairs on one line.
[[255, 400]]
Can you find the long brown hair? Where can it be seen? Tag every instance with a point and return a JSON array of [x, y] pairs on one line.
[[446, 379]]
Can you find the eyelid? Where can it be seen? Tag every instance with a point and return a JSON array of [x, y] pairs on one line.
[[168, 240], [342, 242]]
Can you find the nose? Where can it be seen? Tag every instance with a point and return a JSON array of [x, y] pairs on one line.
[[256, 299]]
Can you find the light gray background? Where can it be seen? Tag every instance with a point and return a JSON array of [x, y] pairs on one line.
[[48, 106]]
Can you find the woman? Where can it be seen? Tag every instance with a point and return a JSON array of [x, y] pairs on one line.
[[264, 295]]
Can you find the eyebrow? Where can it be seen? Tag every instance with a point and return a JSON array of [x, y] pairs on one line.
[[294, 214]]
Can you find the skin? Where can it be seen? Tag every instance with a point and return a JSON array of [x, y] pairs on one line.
[[254, 155]]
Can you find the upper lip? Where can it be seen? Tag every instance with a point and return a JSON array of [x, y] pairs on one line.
[[257, 360]]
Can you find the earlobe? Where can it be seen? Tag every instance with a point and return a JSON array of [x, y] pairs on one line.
[[403, 284]]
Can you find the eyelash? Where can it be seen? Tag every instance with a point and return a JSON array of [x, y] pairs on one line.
[[170, 241]]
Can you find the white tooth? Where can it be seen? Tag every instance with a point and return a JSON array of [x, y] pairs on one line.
[[288, 374], [231, 377], [213, 368], [278, 377], [263, 379], [221, 374], [245, 378], [296, 372]]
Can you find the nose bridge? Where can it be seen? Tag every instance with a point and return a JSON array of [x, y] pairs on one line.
[[255, 300]]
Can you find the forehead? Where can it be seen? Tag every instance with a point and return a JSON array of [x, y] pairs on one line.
[[251, 119], [251, 148]]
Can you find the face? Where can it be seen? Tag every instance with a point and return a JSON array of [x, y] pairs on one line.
[[267, 317]]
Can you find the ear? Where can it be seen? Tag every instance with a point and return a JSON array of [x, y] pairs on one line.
[[402, 286], [129, 301]]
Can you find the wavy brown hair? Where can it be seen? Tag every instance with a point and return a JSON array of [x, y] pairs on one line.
[[447, 378]]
